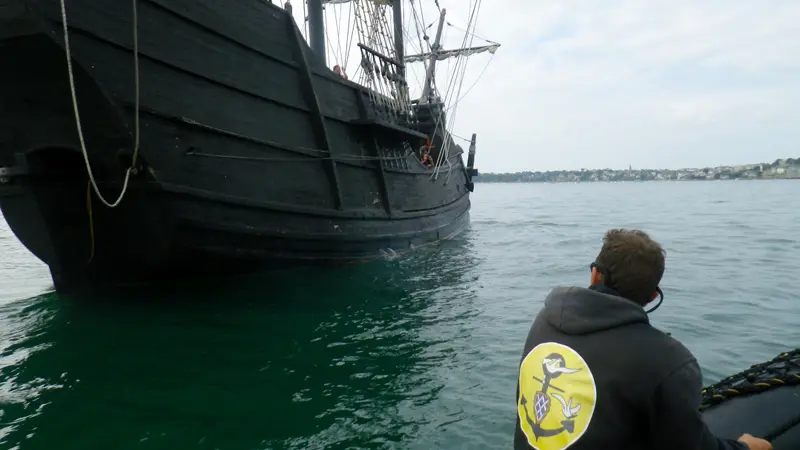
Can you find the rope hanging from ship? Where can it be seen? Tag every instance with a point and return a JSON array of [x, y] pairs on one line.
[[277, 159], [783, 370], [388, 89], [68, 52], [460, 70]]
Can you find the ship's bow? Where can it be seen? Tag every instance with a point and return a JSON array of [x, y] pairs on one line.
[[45, 193]]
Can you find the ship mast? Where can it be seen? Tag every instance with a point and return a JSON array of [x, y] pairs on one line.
[[439, 54], [434, 56], [397, 10], [316, 28]]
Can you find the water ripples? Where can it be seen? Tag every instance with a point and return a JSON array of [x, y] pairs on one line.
[[418, 352]]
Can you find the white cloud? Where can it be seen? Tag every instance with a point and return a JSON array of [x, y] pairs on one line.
[[653, 84]]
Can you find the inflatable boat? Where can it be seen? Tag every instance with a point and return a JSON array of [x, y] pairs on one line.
[[763, 400]]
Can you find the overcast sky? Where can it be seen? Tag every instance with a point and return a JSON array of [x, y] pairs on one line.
[[612, 83]]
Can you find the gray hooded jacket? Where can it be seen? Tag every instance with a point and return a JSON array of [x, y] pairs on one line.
[[646, 384]]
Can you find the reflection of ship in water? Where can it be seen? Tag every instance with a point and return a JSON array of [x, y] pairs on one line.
[[310, 359]]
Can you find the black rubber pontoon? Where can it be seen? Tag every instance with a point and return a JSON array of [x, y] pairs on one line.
[[763, 400]]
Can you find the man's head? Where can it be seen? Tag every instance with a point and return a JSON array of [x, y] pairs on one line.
[[630, 263]]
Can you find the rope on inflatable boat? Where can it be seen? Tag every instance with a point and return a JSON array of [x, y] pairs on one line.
[[783, 370]]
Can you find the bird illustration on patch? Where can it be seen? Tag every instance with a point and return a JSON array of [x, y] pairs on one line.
[[553, 366]]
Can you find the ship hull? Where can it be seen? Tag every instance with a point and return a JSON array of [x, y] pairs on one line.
[[253, 155], [157, 236]]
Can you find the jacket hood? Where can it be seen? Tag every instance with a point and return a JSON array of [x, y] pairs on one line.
[[577, 310]]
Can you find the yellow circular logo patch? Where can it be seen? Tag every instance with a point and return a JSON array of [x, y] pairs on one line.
[[557, 395]]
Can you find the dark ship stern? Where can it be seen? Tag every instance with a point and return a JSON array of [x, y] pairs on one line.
[[44, 184]]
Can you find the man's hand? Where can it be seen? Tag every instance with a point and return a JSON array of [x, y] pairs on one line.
[[755, 443]]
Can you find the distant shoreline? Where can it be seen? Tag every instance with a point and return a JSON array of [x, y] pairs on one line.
[[780, 169], [477, 179]]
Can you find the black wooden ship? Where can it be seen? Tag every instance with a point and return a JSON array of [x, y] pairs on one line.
[[158, 139]]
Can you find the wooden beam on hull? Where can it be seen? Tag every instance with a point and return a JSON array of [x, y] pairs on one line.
[[388, 127], [321, 130], [362, 109]]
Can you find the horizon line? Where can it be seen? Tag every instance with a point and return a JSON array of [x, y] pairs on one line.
[[795, 160]]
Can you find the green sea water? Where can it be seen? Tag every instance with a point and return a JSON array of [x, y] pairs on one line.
[[418, 352]]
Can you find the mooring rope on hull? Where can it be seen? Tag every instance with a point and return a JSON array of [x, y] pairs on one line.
[[77, 114]]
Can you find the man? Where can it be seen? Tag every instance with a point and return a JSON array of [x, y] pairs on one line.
[[596, 375], [337, 69]]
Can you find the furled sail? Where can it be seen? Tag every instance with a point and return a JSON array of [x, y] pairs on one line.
[[445, 54]]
